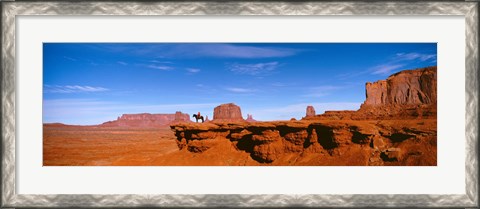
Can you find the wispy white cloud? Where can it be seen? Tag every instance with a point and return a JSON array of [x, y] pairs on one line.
[[207, 89], [69, 58], [219, 50], [401, 60], [386, 69], [229, 51], [278, 84], [240, 90], [192, 70], [415, 56], [394, 63], [71, 89], [159, 67], [161, 62], [122, 63], [74, 102], [254, 69], [321, 91]]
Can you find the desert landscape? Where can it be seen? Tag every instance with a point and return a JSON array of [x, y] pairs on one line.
[[395, 126]]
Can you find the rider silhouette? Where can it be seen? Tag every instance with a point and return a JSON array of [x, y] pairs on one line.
[[198, 115]]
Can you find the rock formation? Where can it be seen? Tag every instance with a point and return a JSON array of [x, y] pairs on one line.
[[310, 111], [250, 118], [409, 94], [408, 87], [227, 112], [180, 117], [376, 93], [147, 120], [396, 125], [327, 142]]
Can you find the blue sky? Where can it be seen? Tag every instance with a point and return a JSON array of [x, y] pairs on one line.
[[90, 83]]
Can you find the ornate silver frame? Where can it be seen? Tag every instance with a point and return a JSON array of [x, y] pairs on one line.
[[11, 9]]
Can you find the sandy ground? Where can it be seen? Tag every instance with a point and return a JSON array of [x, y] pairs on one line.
[[118, 146], [105, 146]]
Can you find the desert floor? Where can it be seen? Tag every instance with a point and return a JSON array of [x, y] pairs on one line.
[[120, 146], [101, 146], [105, 146]]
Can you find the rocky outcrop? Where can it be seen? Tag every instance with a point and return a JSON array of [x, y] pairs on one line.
[[408, 87], [227, 112], [250, 118], [147, 120], [376, 93], [336, 142], [310, 111], [409, 94], [396, 125]]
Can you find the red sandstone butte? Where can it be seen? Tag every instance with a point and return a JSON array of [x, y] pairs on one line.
[[227, 112], [310, 111], [408, 87]]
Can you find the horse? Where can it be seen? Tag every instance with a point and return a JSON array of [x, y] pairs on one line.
[[198, 118]]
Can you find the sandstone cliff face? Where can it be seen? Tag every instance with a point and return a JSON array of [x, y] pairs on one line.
[[310, 111], [147, 120], [227, 112], [408, 87], [318, 142], [376, 93]]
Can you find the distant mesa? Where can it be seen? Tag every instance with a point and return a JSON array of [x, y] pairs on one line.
[[206, 118], [227, 112], [147, 120], [250, 118], [310, 111], [55, 124]]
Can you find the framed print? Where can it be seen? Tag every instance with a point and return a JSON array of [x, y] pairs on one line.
[[240, 104]]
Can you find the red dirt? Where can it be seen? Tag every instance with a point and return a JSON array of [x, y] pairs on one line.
[[77, 145], [105, 146]]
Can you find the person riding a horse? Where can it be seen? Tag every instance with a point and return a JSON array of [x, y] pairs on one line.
[[198, 117]]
